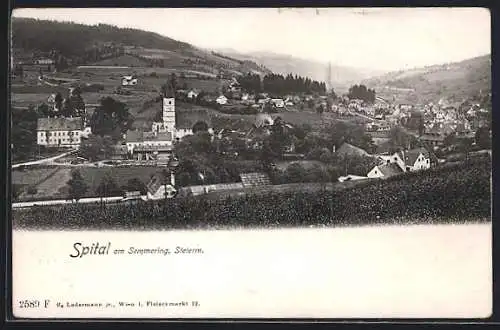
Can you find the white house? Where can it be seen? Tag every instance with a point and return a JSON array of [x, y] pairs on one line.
[[417, 159], [407, 161], [129, 80], [61, 132], [192, 94], [278, 103], [221, 100]]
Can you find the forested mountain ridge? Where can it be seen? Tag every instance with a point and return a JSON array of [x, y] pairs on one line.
[[76, 44], [72, 38]]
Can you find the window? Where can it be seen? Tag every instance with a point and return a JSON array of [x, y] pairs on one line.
[[427, 161], [76, 133], [50, 133]]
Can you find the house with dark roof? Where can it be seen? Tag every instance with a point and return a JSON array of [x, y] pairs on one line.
[[407, 161], [385, 171], [347, 149], [417, 159], [149, 145], [61, 131]]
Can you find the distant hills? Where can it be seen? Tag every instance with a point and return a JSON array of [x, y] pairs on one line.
[[85, 44], [452, 81], [76, 41], [342, 76]]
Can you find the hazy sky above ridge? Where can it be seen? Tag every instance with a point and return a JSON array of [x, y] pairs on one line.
[[377, 38]]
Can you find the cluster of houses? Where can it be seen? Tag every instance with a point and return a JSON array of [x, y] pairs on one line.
[[389, 164]]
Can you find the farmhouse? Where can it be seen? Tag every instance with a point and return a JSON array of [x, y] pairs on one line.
[[61, 132], [221, 100], [129, 80]]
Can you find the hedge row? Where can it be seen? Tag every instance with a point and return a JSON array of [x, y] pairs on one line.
[[450, 194]]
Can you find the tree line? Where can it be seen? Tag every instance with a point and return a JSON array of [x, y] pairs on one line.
[[281, 85], [362, 93]]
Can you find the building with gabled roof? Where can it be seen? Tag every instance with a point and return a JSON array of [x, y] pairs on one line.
[[347, 149], [149, 145], [61, 131], [417, 159], [385, 171]]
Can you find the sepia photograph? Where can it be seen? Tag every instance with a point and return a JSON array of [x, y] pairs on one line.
[[272, 156]]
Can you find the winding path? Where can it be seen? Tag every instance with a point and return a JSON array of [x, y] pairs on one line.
[[45, 160]]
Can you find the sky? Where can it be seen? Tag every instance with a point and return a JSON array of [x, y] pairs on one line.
[[375, 38]]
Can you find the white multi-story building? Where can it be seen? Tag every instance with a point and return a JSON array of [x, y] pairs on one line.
[[61, 132]]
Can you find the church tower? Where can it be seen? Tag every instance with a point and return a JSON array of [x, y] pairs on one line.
[[169, 113]]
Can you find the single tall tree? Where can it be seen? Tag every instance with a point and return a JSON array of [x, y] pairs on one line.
[[77, 185]]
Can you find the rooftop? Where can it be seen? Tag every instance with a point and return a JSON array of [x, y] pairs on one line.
[[349, 149], [390, 169], [412, 155], [141, 136], [60, 124]]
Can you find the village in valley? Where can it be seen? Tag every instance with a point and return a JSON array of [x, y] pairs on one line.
[[125, 123]]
